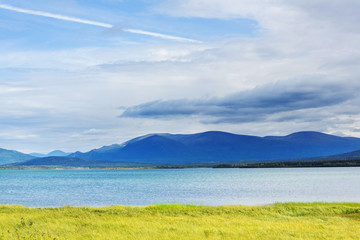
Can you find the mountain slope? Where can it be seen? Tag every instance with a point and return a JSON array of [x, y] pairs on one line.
[[151, 149], [11, 156], [70, 162], [217, 147], [354, 155]]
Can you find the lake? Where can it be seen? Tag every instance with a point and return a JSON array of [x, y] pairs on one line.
[[203, 186]]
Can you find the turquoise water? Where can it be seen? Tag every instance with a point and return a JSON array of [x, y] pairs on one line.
[[50, 188]]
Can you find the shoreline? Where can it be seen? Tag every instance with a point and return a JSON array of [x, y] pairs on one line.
[[290, 163], [270, 164], [193, 206]]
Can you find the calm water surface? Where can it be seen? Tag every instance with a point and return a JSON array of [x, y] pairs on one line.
[[45, 188]]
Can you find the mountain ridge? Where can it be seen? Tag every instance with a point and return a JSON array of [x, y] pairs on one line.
[[217, 146]]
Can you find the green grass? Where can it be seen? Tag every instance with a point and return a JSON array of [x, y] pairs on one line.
[[279, 221]]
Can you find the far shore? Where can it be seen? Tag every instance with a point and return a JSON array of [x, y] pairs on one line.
[[272, 164]]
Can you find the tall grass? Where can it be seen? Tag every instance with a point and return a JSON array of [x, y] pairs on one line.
[[278, 221]]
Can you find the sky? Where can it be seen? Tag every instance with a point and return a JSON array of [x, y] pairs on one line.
[[81, 74]]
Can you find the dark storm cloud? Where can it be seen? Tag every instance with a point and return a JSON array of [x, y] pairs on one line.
[[250, 105]]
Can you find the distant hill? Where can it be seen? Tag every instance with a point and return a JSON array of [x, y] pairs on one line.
[[37, 155], [11, 156], [56, 153], [219, 147]]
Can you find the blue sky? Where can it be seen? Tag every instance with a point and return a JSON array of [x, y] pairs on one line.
[[244, 66], [39, 32]]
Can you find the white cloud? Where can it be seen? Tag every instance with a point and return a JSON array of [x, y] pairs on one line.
[[8, 89]]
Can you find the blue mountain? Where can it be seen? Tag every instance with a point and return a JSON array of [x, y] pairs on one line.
[[56, 153], [220, 147], [11, 156]]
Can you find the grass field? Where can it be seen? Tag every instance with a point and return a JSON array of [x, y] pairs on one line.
[[279, 221]]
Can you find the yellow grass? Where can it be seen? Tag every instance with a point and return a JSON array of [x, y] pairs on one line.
[[279, 221]]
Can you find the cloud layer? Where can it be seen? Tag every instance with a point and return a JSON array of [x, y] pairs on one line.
[[250, 105]]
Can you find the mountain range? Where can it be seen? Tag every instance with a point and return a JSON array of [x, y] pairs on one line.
[[208, 147], [217, 147]]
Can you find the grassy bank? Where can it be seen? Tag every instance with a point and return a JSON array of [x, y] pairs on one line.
[[279, 221]]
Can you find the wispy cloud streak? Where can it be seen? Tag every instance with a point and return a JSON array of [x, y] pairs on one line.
[[56, 16], [94, 23]]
